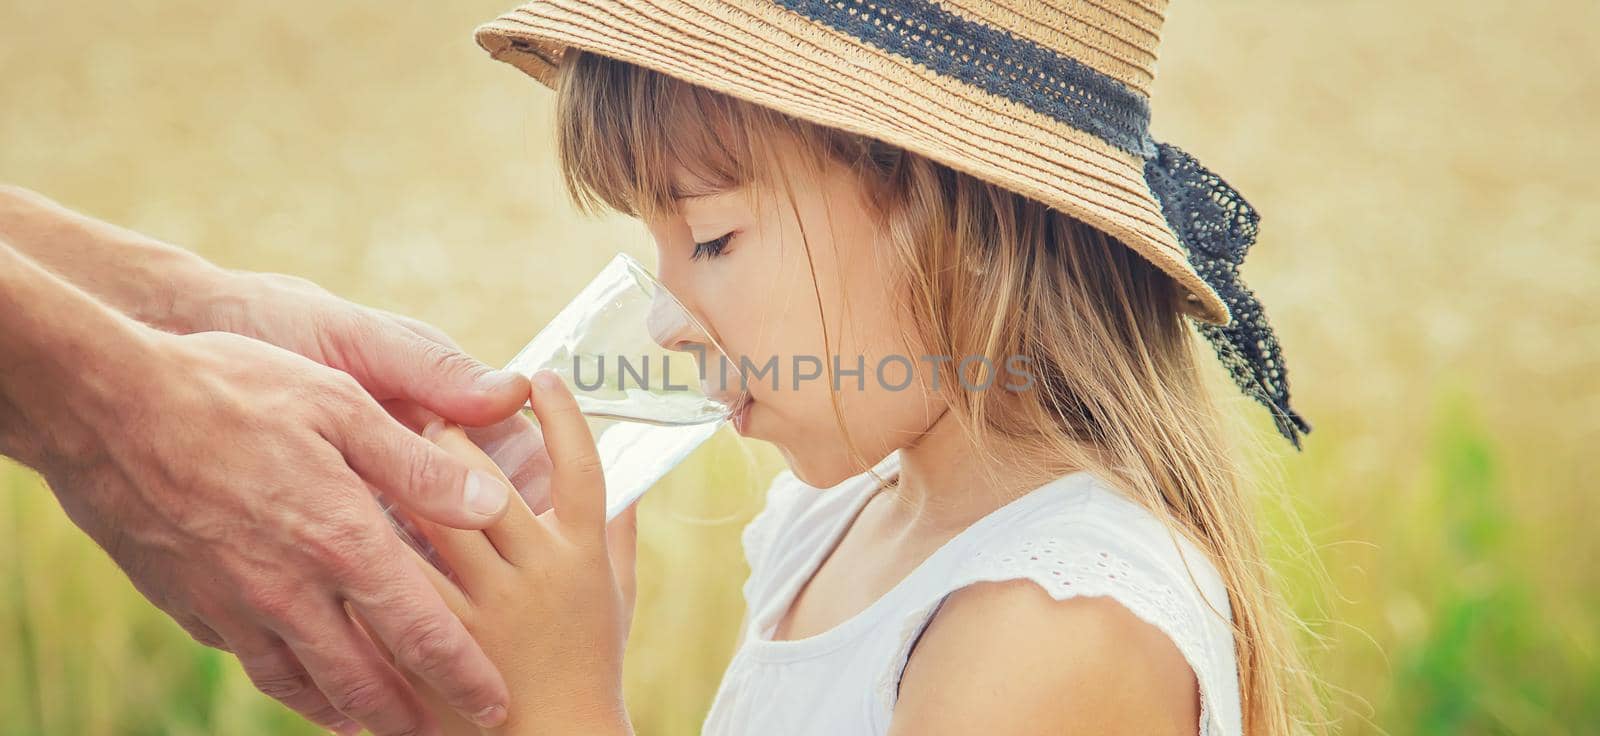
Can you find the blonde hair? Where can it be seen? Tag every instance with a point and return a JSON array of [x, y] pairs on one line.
[[984, 271]]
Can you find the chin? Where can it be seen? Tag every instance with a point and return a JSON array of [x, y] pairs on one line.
[[817, 471]]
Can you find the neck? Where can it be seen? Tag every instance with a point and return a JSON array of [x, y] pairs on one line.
[[945, 484]]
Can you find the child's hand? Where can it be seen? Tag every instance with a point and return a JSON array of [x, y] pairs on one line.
[[549, 597]]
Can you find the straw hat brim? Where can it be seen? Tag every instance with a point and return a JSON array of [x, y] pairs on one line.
[[758, 51]]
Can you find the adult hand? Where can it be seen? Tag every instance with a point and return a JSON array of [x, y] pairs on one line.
[[153, 442], [414, 369], [233, 482], [399, 360]]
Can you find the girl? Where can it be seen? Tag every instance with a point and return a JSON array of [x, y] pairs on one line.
[[1011, 505]]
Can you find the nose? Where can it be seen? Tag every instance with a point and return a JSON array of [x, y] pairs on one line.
[[670, 324], [674, 327]]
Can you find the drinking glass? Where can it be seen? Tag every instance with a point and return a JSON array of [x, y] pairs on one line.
[[630, 350], [654, 382]]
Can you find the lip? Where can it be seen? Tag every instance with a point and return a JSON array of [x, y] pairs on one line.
[[739, 415]]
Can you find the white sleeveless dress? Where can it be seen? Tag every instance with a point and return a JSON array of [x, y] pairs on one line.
[[1073, 536]]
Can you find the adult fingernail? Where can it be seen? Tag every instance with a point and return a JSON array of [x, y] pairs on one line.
[[484, 495], [496, 380], [490, 717], [432, 430]]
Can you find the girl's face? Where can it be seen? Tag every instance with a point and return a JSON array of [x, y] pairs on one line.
[[741, 266]]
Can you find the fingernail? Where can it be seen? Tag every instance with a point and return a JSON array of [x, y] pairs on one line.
[[433, 428], [484, 495], [495, 380], [547, 380], [490, 717]]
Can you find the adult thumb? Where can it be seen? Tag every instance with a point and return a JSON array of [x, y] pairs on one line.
[[394, 361]]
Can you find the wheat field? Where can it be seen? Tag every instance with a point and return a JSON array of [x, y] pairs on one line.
[[1430, 257]]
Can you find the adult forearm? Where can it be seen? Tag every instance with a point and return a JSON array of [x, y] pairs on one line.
[[60, 350], [150, 281]]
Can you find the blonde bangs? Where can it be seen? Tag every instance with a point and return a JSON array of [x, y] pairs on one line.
[[612, 127]]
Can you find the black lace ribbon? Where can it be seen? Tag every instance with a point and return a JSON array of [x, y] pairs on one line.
[[1216, 226], [1211, 220]]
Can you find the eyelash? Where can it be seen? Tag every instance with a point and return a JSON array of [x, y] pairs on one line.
[[710, 249]]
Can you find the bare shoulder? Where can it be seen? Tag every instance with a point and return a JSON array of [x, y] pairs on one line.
[[1006, 658]]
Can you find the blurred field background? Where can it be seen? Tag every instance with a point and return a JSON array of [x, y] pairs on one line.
[[1428, 176]]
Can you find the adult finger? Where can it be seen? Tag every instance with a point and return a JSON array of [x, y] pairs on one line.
[[514, 535], [422, 328], [515, 445], [416, 474], [200, 632], [467, 552], [578, 484], [447, 588], [357, 681], [393, 361], [277, 673], [428, 640]]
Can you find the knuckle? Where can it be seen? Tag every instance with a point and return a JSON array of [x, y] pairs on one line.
[[428, 648], [449, 360], [275, 673], [324, 713], [348, 384], [204, 636], [407, 729], [344, 387], [332, 393], [427, 331], [281, 686], [274, 600], [360, 698], [344, 548], [589, 465], [426, 471]]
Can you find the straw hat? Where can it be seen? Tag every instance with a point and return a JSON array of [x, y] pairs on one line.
[[1047, 99]]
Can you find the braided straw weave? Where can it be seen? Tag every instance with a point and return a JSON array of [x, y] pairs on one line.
[[761, 51], [1047, 98]]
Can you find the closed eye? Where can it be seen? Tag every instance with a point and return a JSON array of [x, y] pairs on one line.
[[710, 248]]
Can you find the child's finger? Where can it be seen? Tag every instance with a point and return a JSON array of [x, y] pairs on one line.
[[452, 595], [622, 546], [468, 553], [512, 535], [409, 413], [578, 484]]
